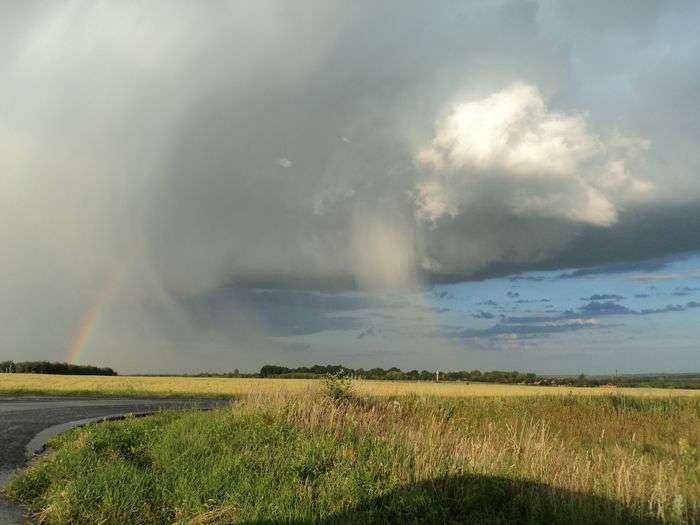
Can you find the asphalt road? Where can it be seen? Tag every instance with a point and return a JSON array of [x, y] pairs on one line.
[[23, 418]]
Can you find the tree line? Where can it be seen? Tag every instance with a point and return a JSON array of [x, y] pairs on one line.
[[46, 367], [687, 380], [396, 374]]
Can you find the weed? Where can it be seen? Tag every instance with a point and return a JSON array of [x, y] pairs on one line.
[[338, 387]]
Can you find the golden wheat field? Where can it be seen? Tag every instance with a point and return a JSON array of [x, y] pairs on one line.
[[163, 386]]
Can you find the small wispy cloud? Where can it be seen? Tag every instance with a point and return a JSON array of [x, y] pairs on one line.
[[530, 301], [651, 277], [649, 266], [370, 331], [603, 297], [443, 294], [684, 290], [489, 302], [532, 327], [534, 278]]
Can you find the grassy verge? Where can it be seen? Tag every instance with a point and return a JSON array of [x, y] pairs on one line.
[[292, 458]]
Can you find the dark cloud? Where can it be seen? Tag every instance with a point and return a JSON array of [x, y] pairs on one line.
[[527, 301], [534, 278], [489, 302], [370, 331], [227, 296], [640, 240], [482, 314], [684, 290], [597, 309], [282, 312], [568, 314], [604, 308], [438, 309], [296, 347], [532, 328], [665, 309], [621, 267], [603, 297]]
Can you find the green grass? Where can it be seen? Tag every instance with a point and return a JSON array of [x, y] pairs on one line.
[[294, 459]]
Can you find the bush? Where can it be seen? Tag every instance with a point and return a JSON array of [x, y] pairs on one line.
[[338, 387]]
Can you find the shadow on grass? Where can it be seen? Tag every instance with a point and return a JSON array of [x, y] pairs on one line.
[[481, 499]]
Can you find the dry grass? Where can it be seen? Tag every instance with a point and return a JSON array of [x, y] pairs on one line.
[[226, 514], [166, 386], [638, 455]]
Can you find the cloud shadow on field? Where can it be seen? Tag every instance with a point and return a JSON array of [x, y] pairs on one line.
[[483, 499]]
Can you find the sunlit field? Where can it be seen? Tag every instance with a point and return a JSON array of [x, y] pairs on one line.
[[325, 458], [195, 386]]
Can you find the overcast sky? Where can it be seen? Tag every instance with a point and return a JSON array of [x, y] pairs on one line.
[[215, 185]]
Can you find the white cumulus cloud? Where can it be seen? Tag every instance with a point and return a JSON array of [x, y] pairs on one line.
[[545, 163]]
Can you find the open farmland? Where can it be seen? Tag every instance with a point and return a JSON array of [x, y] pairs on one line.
[[300, 451], [196, 386]]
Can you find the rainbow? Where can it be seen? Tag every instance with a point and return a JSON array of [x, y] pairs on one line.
[[92, 317]]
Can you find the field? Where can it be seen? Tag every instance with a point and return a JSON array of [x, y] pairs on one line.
[[204, 386], [297, 452]]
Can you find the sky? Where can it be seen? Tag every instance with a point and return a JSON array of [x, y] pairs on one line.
[[194, 186]]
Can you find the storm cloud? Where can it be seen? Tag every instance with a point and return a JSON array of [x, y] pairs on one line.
[[155, 154]]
